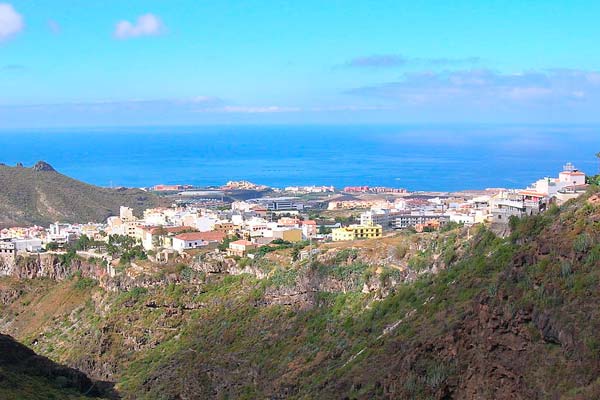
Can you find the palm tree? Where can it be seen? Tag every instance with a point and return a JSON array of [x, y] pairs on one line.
[[598, 157]]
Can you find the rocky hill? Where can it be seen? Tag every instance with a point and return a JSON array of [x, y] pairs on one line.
[[462, 314], [41, 195]]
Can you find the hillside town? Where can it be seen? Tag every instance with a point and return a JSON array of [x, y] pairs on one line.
[[242, 227]]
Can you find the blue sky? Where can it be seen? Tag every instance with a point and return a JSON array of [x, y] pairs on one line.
[[70, 63]]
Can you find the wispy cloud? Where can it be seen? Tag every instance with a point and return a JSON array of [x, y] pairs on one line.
[[257, 109], [54, 27], [488, 87], [184, 104], [11, 22], [146, 25], [13, 68], [398, 60], [377, 61]]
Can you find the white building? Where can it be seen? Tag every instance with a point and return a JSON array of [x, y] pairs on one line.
[[189, 241], [569, 178], [205, 223], [29, 245], [126, 214]]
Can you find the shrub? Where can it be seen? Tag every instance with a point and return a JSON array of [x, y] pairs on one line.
[[566, 269], [594, 256], [401, 250], [85, 283], [582, 243]]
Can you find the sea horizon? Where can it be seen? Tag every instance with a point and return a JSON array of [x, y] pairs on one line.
[[418, 157]]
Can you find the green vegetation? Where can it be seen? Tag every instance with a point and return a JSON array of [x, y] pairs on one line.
[[224, 245], [508, 317], [279, 244], [126, 248]]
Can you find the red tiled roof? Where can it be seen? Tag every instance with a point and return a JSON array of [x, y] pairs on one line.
[[531, 193], [168, 229], [211, 236], [573, 173], [242, 242]]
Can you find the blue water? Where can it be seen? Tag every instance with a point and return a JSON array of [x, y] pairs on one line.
[[414, 157]]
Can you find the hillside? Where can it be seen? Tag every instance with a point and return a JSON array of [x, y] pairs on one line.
[[462, 314], [25, 375], [40, 195]]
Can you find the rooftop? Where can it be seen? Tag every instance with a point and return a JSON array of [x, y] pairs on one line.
[[210, 236]]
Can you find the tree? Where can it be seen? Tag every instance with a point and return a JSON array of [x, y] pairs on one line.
[[598, 157], [51, 246], [83, 243], [295, 254], [323, 230]]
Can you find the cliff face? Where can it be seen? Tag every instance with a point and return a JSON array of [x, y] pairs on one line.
[[49, 265]]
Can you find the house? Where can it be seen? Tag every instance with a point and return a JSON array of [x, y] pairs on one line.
[[212, 236], [353, 232], [569, 177], [410, 219], [189, 241], [430, 225], [31, 245], [309, 228], [279, 203], [516, 203], [289, 235], [240, 248], [8, 250], [159, 236]]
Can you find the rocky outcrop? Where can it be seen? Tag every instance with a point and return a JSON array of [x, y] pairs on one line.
[[9, 294], [50, 265], [42, 166]]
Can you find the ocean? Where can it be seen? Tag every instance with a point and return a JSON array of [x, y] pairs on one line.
[[416, 157]]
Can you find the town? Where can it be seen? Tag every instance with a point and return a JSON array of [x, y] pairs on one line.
[[295, 216]]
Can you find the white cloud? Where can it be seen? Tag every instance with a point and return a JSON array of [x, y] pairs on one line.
[[11, 22], [146, 25]]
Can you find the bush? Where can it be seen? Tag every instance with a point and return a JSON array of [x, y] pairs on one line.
[[401, 251], [594, 256], [566, 269], [582, 243], [451, 226], [52, 246], [85, 283]]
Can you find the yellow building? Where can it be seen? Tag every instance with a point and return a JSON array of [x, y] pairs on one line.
[[289, 235], [354, 232]]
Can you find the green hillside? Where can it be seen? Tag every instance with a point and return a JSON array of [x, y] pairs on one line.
[[40, 195], [487, 318], [513, 318]]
